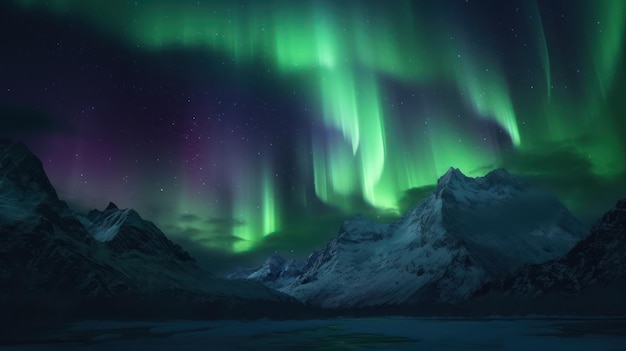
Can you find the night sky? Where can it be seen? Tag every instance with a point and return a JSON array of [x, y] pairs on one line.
[[242, 128]]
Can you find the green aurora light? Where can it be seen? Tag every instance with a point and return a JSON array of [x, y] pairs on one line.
[[345, 55]]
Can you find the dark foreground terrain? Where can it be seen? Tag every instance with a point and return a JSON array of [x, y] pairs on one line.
[[335, 334]]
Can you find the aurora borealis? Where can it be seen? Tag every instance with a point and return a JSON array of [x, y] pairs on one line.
[[244, 127]]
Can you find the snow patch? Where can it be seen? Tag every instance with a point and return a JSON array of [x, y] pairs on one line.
[[106, 229]]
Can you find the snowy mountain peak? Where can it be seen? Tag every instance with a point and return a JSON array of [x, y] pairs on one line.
[[453, 171], [496, 178], [501, 177], [124, 230], [500, 173], [275, 259], [105, 225], [459, 191], [452, 176]]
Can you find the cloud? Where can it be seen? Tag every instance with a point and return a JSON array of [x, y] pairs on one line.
[[213, 232], [560, 168], [225, 222], [551, 159], [219, 261], [187, 217], [199, 234], [412, 197]]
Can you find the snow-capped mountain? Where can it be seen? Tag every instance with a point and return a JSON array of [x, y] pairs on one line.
[[125, 232], [598, 261], [468, 232], [275, 272], [59, 260]]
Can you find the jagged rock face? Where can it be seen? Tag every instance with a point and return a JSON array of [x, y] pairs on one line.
[[125, 232], [599, 259], [47, 250], [23, 173], [468, 232], [43, 247], [25, 191]]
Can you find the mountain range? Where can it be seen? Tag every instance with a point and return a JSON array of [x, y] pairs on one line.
[[474, 246], [55, 263], [488, 245]]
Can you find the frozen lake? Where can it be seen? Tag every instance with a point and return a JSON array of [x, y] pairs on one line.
[[339, 334]]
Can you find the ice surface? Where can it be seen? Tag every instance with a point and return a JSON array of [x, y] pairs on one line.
[[339, 334]]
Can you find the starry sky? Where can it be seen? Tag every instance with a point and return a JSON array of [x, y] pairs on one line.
[[243, 128]]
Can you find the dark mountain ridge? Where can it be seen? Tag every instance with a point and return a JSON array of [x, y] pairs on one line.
[[57, 265], [589, 279]]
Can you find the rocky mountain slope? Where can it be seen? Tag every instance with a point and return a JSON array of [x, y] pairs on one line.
[[109, 262], [596, 261]]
